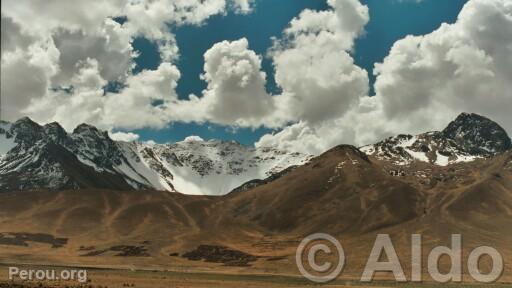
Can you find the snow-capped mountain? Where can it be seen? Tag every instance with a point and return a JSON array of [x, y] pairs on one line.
[[467, 138], [47, 157], [203, 167]]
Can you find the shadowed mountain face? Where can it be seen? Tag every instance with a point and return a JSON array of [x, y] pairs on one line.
[[47, 157], [478, 135]]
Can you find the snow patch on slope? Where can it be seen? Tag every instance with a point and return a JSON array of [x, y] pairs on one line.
[[431, 147], [138, 170], [442, 160], [201, 167]]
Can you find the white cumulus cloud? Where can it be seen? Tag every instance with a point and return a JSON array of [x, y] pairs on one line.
[[52, 45], [55, 66], [193, 138], [461, 67], [424, 82], [124, 136], [236, 85], [314, 69]]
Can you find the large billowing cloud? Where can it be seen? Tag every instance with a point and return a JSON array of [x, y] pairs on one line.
[[141, 104], [314, 69], [425, 82], [463, 67], [364, 123], [26, 69], [49, 45], [112, 49], [12, 36], [236, 85], [313, 66]]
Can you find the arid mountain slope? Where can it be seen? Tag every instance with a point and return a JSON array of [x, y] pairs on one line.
[[341, 191], [332, 194]]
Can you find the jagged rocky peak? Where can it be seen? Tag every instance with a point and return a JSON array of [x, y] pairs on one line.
[[349, 151], [86, 135], [478, 134], [26, 121], [27, 131], [467, 138], [54, 128], [89, 130], [55, 132], [26, 124], [97, 146]]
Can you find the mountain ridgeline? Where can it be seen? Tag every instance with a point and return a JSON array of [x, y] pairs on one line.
[[47, 157]]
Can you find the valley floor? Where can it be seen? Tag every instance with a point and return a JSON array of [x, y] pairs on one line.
[[110, 278]]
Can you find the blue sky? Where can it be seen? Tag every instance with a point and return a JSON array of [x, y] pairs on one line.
[[390, 20]]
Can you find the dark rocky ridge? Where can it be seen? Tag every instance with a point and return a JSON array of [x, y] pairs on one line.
[[467, 138], [46, 157], [478, 135]]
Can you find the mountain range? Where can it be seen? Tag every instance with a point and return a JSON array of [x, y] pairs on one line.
[[34, 156], [455, 181], [47, 157]]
